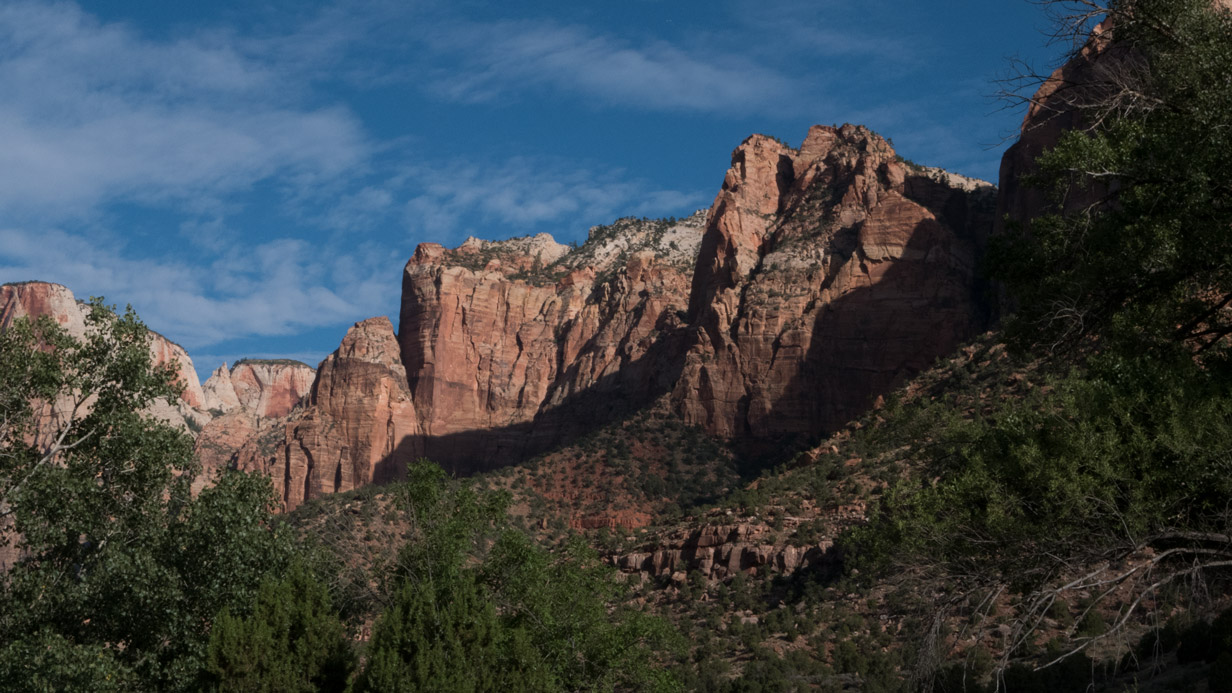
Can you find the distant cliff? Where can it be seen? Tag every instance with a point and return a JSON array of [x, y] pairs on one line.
[[819, 278]]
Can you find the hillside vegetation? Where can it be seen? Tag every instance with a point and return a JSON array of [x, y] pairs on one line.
[[1045, 510]]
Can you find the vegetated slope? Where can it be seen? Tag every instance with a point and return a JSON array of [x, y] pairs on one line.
[[1059, 521]]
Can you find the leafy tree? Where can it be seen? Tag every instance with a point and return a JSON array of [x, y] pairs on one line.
[[1136, 251], [481, 607], [292, 641], [1111, 477], [121, 570]]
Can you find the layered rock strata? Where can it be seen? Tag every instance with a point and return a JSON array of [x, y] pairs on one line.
[[511, 347], [824, 276], [264, 388], [827, 275], [722, 548], [358, 426]]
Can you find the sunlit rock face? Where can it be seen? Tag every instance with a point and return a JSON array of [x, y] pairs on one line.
[[827, 275], [820, 278], [357, 425], [511, 347], [269, 389]]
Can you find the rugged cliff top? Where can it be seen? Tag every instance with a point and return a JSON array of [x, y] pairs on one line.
[[540, 260]]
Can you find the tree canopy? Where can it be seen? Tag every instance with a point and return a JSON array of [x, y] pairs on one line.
[[1108, 482], [120, 571]]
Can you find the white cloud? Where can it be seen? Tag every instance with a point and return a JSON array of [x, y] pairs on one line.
[[278, 287], [93, 113]]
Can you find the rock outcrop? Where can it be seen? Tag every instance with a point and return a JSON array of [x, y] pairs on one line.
[[512, 346], [718, 547], [219, 392], [827, 275], [820, 278], [265, 388], [359, 425]]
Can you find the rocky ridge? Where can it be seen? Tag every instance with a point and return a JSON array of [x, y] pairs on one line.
[[501, 356], [820, 278], [264, 388], [828, 274]]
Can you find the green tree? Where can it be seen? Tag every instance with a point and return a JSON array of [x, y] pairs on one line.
[[481, 607], [121, 568], [292, 641], [1136, 251], [1110, 477]]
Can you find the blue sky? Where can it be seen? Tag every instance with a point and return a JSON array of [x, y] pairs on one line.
[[252, 176]]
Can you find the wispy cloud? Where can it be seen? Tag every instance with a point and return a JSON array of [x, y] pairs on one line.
[[526, 193], [501, 59], [277, 287], [94, 112]]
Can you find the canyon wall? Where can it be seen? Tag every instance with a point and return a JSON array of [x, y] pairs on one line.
[[820, 277], [827, 275], [357, 424], [511, 347], [265, 388]]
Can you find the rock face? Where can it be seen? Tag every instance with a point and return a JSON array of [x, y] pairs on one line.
[[219, 392], [722, 548], [1052, 111], [267, 389], [827, 275], [359, 426], [511, 346], [36, 299], [820, 278]]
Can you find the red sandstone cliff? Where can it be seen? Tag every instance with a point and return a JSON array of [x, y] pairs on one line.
[[264, 388], [510, 346], [819, 278], [827, 275], [358, 426]]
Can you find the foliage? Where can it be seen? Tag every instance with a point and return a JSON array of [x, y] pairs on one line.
[[292, 641], [122, 570], [1136, 251], [1110, 478], [482, 607]]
